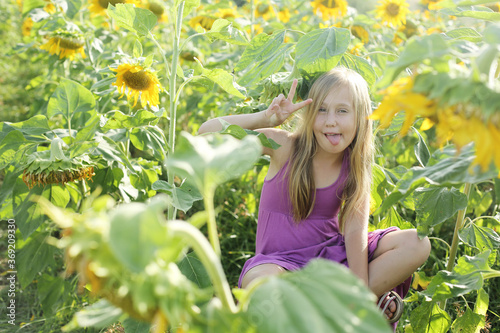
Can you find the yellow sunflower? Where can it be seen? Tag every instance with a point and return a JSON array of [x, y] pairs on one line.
[[27, 26], [134, 80], [265, 10], [330, 8], [227, 13], [99, 7], [203, 21], [361, 33], [65, 44], [49, 7], [284, 15], [392, 12], [159, 10]]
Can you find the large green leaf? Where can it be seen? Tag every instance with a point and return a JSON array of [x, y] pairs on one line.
[[264, 56], [224, 30], [101, 314], [71, 99], [112, 152], [12, 148], [239, 133], [183, 197], [194, 270], [33, 257], [467, 322], [359, 65], [52, 291], [225, 80], [135, 235], [421, 150], [435, 205], [120, 120], [480, 12], [429, 318], [134, 19], [150, 139], [320, 50], [482, 238], [467, 275], [324, 297], [469, 34], [208, 161], [32, 128], [416, 50]]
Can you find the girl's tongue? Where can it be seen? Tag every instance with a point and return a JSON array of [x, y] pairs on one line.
[[334, 139]]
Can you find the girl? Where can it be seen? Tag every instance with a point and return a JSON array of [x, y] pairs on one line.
[[315, 198]]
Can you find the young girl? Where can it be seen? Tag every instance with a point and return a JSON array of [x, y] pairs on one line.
[[315, 198]]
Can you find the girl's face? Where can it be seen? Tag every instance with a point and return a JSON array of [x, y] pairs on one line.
[[335, 124]]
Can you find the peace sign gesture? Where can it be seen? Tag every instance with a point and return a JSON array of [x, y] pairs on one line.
[[281, 108]]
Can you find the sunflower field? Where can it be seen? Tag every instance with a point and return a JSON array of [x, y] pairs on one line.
[[117, 217]]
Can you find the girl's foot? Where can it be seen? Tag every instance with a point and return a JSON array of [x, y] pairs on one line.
[[392, 306]]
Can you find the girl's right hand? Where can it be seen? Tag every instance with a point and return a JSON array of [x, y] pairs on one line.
[[281, 108]]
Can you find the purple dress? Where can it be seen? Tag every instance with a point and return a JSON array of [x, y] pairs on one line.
[[283, 242]]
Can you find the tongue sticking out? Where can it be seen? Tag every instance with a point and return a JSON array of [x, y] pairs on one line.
[[334, 139]]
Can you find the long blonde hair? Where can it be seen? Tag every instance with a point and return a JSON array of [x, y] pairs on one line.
[[302, 188]]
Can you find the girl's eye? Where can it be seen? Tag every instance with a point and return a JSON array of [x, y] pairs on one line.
[[343, 111], [322, 110]]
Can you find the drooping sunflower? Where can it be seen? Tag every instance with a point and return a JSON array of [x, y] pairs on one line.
[[203, 21], [227, 13], [392, 12], [330, 8], [136, 81], [99, 7], [265, 10], [65, 44], [361, 33]]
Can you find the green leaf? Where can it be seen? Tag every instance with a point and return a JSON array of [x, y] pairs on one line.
[[120, 120], [33, 257], [137, 51], [31, 128], [225, 80], [134, 19], [421, 150], [71, 99], [264, 56], [52, 291], [183, 196], [481, 307], [239, 133], [475, 12], [435, 205], [320, 50], [210, 160], [112, 152], [101, 314], [428, 317], [131, 325], [359, 65], [135, 235], [322, 297], [223, 29], [150, 139], [481, 238], [189, 5], [194, 270], [492, 34], [467, 322], [27, 213], [12, 147], [469, 34], [417, 49]]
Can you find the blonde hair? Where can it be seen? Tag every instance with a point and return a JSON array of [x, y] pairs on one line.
[[302, 188]]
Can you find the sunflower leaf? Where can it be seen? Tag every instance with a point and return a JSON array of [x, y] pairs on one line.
[[137, 20]]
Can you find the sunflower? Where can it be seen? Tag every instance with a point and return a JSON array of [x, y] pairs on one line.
[[330, 8], [49, 7], [65, 44], [99, 7], [135, 80], [227, 13], [494, 6], [203, 21], [284, 15], [360, 33], [265, 10], [158, 9], [27, 26], [392, 12]]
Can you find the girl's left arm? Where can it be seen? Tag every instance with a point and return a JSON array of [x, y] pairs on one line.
[[356, 241]]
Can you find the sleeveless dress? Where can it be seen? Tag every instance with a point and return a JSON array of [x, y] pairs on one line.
[[292, 245]]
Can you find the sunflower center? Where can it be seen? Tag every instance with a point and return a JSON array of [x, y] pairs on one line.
[[105, 3], [392, 9], [138, 81], [156, 8], [69, 43], [329, 3]]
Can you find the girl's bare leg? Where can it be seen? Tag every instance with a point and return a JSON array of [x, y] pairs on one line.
[[260, 271], [397, 256]]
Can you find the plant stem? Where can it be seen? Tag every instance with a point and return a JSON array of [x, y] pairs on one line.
[[209, 259], [173, 104], [454, 244], [213, 236]]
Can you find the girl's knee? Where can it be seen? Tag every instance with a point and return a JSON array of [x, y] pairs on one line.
[[261, 271], [420, 248]]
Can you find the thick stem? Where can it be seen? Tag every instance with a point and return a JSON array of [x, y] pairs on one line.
[[458, 226], [213, 236], [209, 259], [173, 105]]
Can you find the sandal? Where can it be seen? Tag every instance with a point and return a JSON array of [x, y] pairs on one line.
[[386, 299]]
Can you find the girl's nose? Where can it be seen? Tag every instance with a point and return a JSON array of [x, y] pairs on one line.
[[331, 120]]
